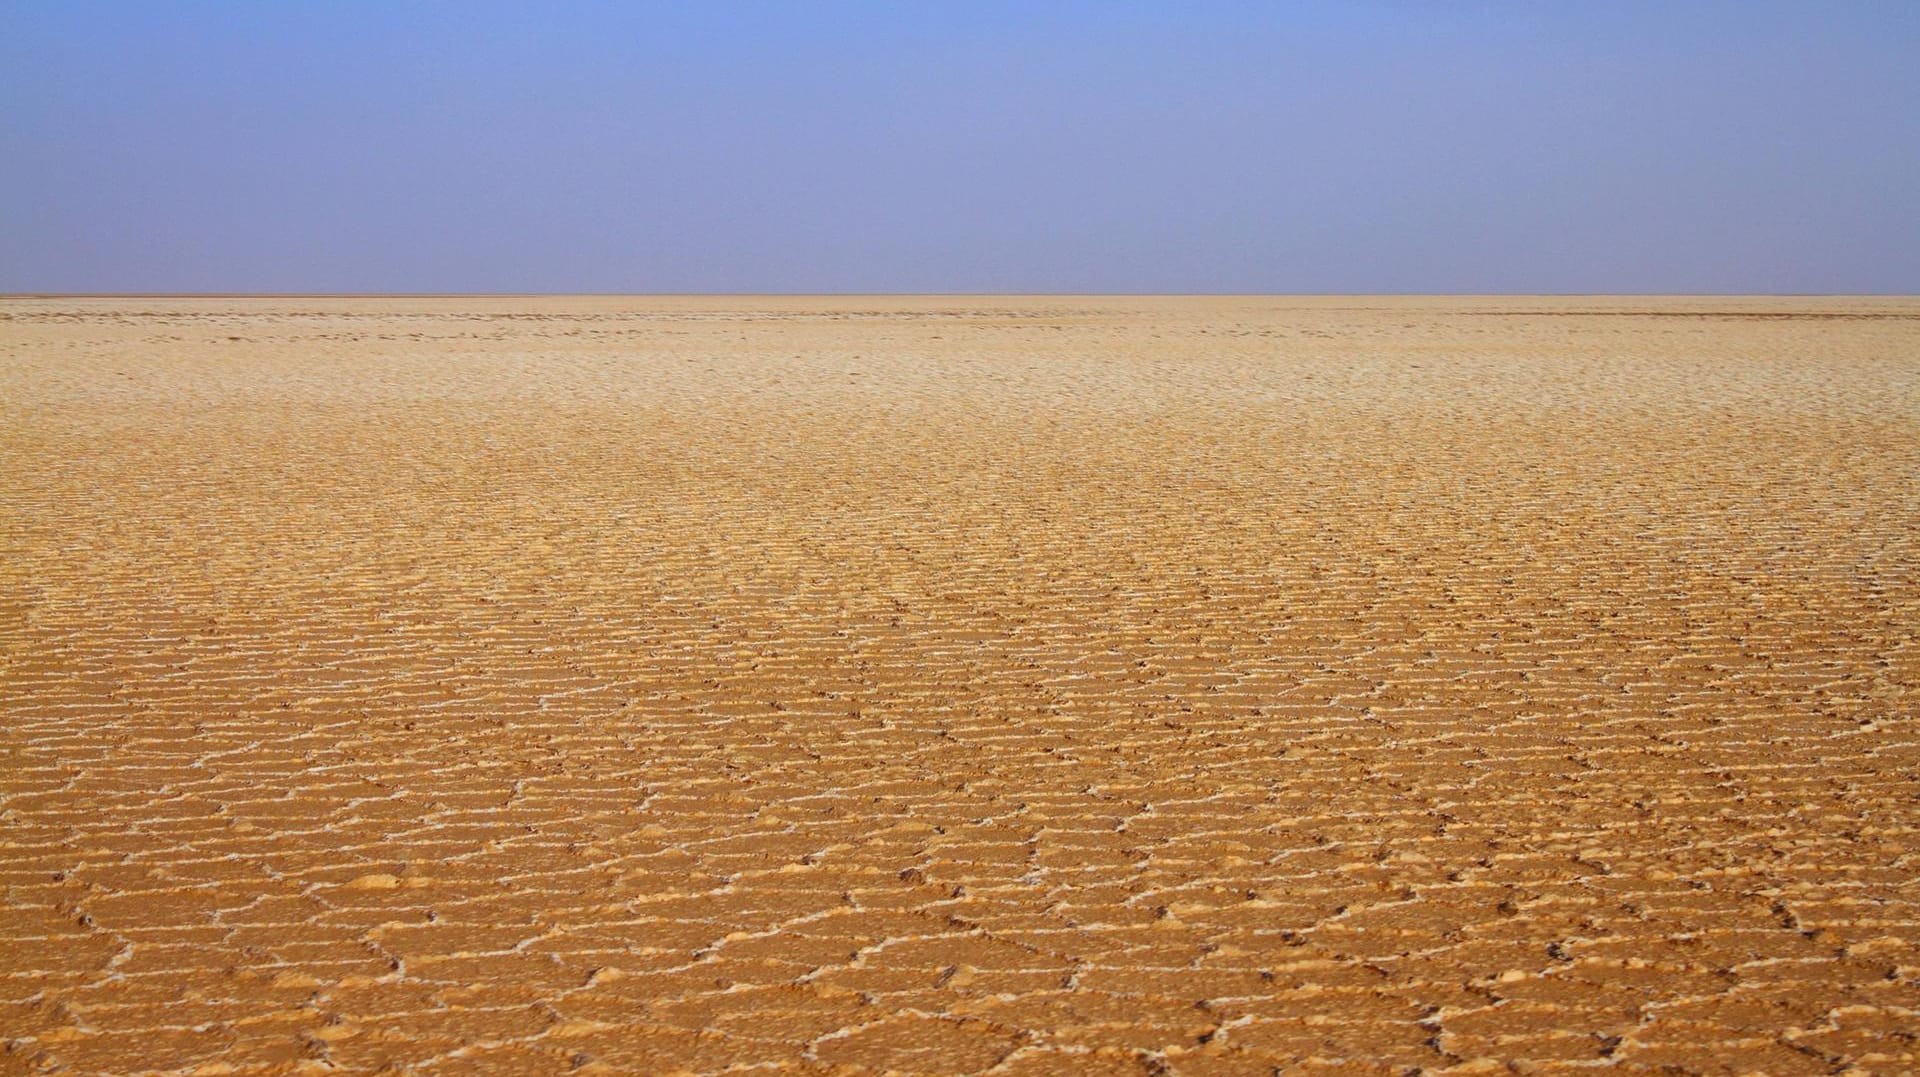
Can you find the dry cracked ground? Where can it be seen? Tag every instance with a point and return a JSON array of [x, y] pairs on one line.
[[975, 686]]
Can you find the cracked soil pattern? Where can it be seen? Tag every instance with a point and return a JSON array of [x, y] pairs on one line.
[[1009, 686]]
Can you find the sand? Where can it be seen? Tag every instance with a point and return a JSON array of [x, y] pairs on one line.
[[1040, 685]]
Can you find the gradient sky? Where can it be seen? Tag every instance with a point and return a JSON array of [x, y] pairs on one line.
[[971, 146]]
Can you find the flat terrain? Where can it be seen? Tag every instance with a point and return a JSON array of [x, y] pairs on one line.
[[1022, 686]]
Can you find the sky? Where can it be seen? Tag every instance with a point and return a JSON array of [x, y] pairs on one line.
[[1362, 146]]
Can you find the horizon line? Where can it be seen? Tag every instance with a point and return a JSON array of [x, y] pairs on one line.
[[949, 295]]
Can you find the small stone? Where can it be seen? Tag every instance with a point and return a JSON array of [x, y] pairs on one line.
[[376, 881]]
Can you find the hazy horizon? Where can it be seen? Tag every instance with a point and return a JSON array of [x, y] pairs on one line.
[[1382, 148], [948, 295]]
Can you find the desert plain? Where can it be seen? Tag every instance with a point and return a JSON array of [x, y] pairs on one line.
[[965, 685]]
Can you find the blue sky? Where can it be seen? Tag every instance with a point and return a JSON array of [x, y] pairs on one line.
[[901, 147]]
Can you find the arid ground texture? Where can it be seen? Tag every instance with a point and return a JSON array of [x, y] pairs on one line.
[[1014, 686]]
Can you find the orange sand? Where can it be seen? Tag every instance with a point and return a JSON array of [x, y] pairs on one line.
[[976, 685]]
